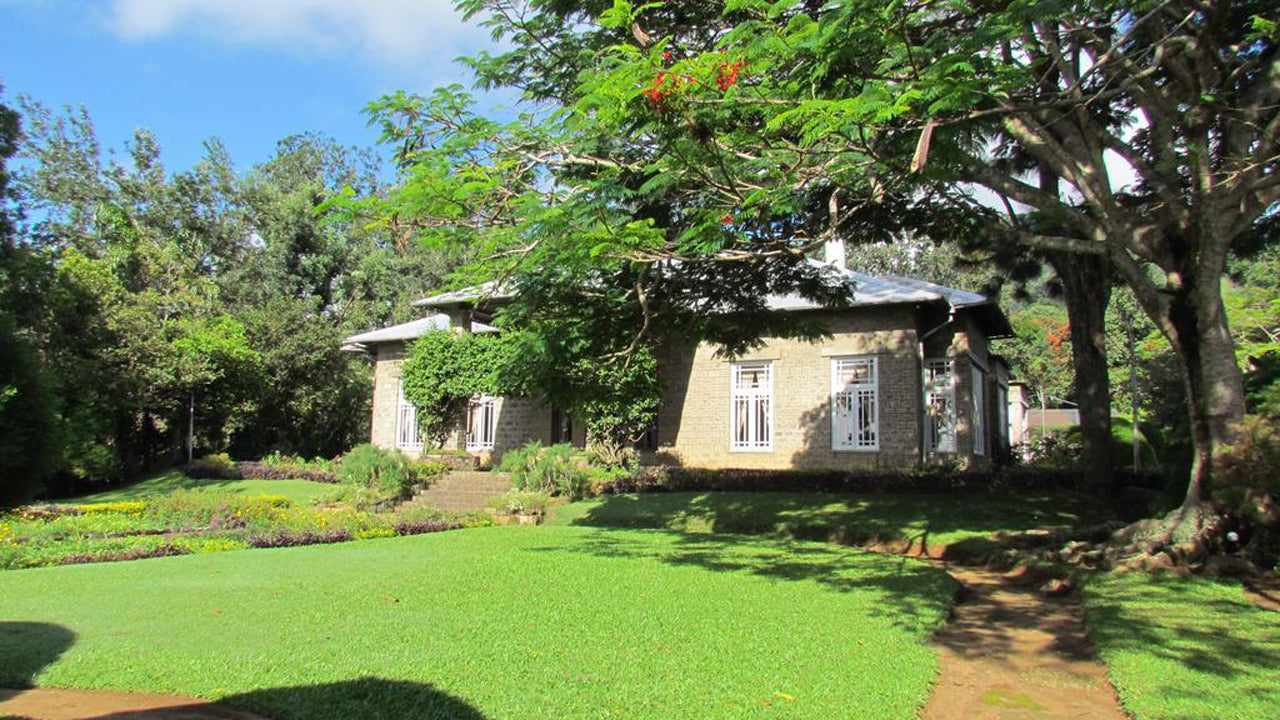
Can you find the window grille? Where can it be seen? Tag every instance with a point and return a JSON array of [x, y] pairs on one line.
[[407, 437], [481, 422], [940, 405], [751, 407], [855, 404]]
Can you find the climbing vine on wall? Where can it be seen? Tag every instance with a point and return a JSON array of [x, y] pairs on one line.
[[444, 370]]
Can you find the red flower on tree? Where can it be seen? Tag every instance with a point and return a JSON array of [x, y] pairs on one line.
[[727, 75]]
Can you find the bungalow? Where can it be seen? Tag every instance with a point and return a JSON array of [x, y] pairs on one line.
[[904, 379]]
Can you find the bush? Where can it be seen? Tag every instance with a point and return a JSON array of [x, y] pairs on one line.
[[1248, 488], [210, 466], [521, 502], [554, 469], [388, 474], [220, 467], [926, 480]]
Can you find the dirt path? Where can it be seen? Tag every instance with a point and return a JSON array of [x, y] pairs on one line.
[[51, 704], [1009, 653]]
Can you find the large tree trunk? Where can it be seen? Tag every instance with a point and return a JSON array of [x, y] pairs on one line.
[[1086, 283], [1215, 385]]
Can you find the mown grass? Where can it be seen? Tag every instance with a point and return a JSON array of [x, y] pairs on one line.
[[933, 519], [503, 622], [1185, 648], [303, 492]]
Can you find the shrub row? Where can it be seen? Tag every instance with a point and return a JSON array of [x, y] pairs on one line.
[[679, 479], [218, 469]]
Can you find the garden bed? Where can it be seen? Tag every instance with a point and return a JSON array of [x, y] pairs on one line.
[[191, 521]]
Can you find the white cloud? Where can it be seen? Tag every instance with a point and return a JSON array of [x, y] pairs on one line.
[[391, 32]]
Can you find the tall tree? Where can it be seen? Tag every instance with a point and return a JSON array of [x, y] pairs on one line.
[[783, 107]]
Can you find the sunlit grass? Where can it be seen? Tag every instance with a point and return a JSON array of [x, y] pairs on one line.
[[506, 622]]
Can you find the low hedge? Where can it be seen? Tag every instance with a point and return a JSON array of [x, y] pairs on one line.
[[926, 480], [202, 470]]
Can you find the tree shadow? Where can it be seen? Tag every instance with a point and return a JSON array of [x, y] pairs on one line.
[[914, 520], [1195, 625], [906, 592], [26, 648], [367, 698]]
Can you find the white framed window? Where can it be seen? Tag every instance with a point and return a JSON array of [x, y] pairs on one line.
[[979, 403], [855, 403], [940, 405], [751, 407], [407, 437], [482, 421]]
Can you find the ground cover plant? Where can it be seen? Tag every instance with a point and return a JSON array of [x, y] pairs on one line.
[[1185, 648], [482, 623], [196, 521], [928, 519], [303, 492]]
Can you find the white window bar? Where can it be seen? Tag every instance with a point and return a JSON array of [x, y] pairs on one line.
[[979, 403], [407, 437], [855, 404], [940, 405], [751, 407], [481, 422]]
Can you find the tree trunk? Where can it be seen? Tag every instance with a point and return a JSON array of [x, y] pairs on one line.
[[1086, 283], [1215, 384]]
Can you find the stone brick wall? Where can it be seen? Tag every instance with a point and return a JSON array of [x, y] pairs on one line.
[[694, 423]]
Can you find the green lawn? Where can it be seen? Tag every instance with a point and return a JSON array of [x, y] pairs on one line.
[[937, 519], [502, 622], [303, 492], [1185, 648]]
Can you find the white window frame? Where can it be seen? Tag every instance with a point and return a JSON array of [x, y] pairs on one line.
[[947, 389], [485, 410], [978, 408], [757, 404], [407, 436], [848, 433]]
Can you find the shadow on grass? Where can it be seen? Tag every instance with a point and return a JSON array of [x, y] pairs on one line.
[[904, 591], [367, 698], [1223, 649], [920, 520], [27, 647]]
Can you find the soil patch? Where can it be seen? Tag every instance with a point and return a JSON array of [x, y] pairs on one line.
[[1010, 652], [54, 704]]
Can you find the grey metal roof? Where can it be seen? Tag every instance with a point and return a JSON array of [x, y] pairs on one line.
[[490, 290], [407, 331], [883, 290]]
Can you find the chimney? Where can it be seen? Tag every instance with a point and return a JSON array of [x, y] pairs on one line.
[[834, 253]]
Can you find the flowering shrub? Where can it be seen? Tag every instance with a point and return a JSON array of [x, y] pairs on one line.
[[521, 502]]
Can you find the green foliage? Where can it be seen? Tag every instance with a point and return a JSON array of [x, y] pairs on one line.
[[1248, 488], [387, 474], [554, 469], [1040, 351], [521, 502], [444, 370], [29, 447], [212, 464]]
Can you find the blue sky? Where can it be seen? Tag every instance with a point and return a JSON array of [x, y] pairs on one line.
[[248, 71]]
